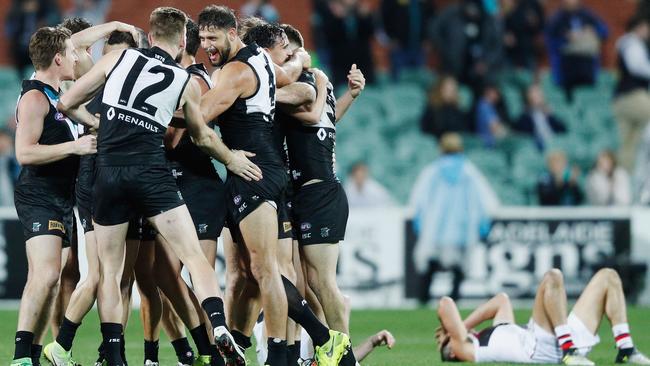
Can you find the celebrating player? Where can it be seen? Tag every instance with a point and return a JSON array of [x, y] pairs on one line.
[[143, 89], [550, 336]]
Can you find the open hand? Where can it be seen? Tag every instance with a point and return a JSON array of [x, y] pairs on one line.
[[240, 165]]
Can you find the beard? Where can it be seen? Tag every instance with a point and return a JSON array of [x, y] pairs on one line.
[[224, 55]]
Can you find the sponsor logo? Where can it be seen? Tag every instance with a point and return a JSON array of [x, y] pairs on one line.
[[84, 224], [113, 340], [306, 236], [286, 226], [242, 207], [177, 173], [303, 302], [136, 121], [180, 195], [36, 227], [295, 174], [321, 134], [305, 226], [110, 114], [55, 225], [255, 198], [59, 116], [203, 228], [325, 232], [237, 200]]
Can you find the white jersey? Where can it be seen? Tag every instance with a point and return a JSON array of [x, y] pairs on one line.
[[510, 343]]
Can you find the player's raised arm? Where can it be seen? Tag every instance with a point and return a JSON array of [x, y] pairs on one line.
[[32, 110], [89, 36], [356, 84], [84, 88], [296, 94], [453, 327], [290, 71], [235, 80], [208, 140], [498, 309]]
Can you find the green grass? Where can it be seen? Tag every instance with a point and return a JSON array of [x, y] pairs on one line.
[[413, 330]]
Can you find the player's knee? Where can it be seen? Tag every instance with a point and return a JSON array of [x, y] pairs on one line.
[[554, 277], [444, 302], [261, 270], [502, 297], [48, 279], [611, 276]]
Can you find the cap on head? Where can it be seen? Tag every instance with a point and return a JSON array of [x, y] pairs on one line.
[[45, 43]]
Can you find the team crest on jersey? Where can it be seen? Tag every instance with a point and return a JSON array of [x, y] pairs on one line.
[[59, 116], [55, 225], [321, 134], [305, 226], [237, 200], [203, 228], [36, 227]]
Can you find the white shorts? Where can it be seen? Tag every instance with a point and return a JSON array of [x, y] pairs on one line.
[[547, 349]]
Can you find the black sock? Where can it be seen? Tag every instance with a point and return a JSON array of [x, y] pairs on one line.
[[101, 353], [23, 344], [292, 355], [67, 332], [123, 350], [241, 339], [201, 340], [183, 351], [277, 355], [213, 306], [216, 359], [36, 354], [112, 335], [151, 350], [300, 312], [348, 359]]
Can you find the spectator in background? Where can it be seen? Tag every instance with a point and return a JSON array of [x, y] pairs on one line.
[[405, 23], [94, 11], [558, 186], [523, 22], [490, 124], [9, 168], [608, 184], [260, 9], [632, 99], [347, 28], [23, 19], [442, 113], [450, 202], [469, 41], [538, 120], [573, 37], [363, 191]]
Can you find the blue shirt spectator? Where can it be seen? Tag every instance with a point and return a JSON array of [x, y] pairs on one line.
[[489, 123]]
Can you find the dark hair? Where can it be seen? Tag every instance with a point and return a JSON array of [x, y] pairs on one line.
[[45, 43], [247, 23], [635, 21], [167, 23], [117, 37], [143, 40], [293, 34], [192, 41], [265, 35], [76, 24], [220, 17]]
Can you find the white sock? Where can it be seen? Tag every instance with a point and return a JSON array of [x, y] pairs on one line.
[[563, 334], [306, 345], [622, 336]]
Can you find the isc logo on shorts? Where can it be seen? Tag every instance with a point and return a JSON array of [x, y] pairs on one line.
[[55, 225]]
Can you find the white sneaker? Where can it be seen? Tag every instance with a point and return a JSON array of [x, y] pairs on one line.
[[575, 359], [638, 358], [150, 363], [232, 354]]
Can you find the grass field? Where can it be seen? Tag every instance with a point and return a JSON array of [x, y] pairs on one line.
[[413, 330]]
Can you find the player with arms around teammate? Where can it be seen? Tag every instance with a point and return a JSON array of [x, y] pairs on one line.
[[319, 203], [47, 147], [244, 101], [550, 336], [143, 89]]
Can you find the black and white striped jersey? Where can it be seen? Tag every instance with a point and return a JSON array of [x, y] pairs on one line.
[[57, 129], [311, 147], [248, 123], [140, 96]]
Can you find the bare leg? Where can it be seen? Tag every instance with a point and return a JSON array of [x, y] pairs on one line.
[[550, 309], [321, 262], [300, 281], [128, 277], [260, 231], [69, 278], [84, 296], [171, 322], [285, 261], [150, 302], [603, 295]]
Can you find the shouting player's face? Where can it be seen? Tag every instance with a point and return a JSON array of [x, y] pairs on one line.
[[280, 52], [67, 61], [217, 44]]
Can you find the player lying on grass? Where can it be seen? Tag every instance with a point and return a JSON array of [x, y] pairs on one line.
[[550, 336]]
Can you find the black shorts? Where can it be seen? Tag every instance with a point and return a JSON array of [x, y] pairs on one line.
[[321, 211], [42, 212], [243, 197], [205, 199], [120, 192], [83, 193]]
